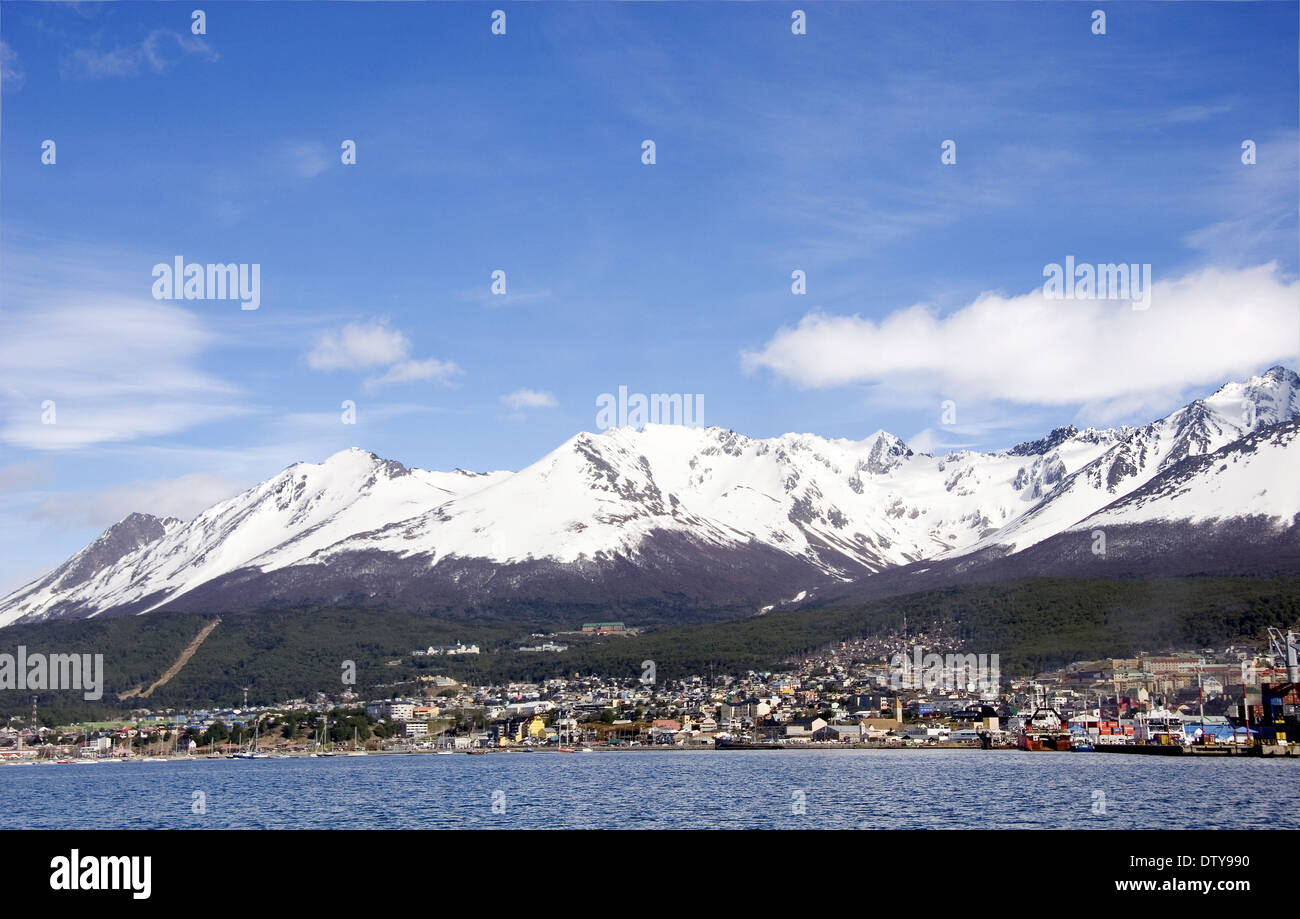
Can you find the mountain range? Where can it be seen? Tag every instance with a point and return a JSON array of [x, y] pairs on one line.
[[706, 521]]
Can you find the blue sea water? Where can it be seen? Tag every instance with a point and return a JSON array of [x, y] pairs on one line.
[[841, 789]]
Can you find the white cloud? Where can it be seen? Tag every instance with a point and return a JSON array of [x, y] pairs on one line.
[[1255, 204], [115, 369], [358, 347], [431, 370], [1191, 114], [93, 64], [363, 346], [522, 399], [315, 423], [1203, 328], [12, 75], [306, 160], [184, 496], [969, 435]]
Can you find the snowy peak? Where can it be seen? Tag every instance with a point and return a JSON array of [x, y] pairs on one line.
[[1233, 411], [664, 506], [887, 453], [1251, 477], [1134, 456], [132, 532], [1267, 399], [124, 540], [1046, 444], [351, 465]]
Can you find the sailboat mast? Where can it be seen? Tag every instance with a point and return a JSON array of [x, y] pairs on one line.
[[1200, 692]]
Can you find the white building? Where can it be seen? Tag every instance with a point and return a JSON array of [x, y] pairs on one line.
[[393, 711]]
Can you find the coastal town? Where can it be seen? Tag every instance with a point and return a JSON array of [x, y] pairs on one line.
[[870, 693]]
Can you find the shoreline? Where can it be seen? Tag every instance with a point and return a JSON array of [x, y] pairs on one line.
[[658, 748]]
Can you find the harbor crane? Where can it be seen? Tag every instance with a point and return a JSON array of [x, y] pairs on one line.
[[1286, 646]]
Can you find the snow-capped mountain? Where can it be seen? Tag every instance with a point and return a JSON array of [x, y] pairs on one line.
[[1255, 477], [704, 516], [1134, 456], [131, 533]]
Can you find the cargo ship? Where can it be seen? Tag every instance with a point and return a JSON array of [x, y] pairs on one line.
[[1045, 730]]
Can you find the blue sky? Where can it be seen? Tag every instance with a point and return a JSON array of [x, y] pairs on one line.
[[522, 152]]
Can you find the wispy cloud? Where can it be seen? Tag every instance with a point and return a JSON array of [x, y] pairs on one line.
[[932, 441], [430, 370], [183, 496], [317, 423], [483, 296], [90, 370], [305, 159], [522, 399], [12, 75], [24, 475], [1257, 203], [152, 54], [1193, 114]]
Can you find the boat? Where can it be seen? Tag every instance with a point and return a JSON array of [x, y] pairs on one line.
[[1045, 730], [1160, 727], [727, 742], [323, 750], [354, 751], [252, 751]]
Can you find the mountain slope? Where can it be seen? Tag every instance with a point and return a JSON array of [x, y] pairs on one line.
[[277, 522], [689, 518], [1136, 455], [124, 538]]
